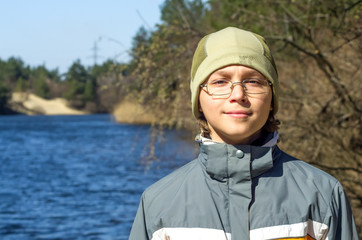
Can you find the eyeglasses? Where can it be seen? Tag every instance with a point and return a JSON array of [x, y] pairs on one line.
[[222, 87]]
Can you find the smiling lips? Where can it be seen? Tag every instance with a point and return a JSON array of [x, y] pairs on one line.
[[238, 114]]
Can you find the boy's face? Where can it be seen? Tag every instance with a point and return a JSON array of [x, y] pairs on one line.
[[238, 118]]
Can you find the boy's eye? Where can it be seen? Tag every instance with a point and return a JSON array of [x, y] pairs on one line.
[[219, 82], [253, 81]]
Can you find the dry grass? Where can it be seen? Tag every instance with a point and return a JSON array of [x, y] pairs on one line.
[[133, 112]]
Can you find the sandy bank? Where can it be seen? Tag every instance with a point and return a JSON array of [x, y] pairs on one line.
[[31, 104]]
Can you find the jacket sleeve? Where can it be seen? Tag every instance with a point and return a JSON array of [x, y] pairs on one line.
[[340, 220], [139, 228]]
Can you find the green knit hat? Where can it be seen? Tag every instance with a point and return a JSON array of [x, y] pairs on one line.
[[226, 47]]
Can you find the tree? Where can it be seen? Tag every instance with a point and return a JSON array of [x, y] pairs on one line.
[[12, 70], [187, 15], [41, 88], [162, 59], [39, 77], [77, 72], [21, 85], [4, 96], [76, 78], [90, 90], [112, 83]]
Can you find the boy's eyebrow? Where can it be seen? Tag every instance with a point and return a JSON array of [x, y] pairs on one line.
[[223, 73], [226, 73]]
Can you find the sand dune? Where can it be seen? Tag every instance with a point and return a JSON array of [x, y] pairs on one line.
[[32, 104]]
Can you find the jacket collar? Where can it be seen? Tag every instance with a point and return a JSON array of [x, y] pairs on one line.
[[239, 162], [269, 141]]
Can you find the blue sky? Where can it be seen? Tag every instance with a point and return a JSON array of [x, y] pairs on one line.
[[56, 33]]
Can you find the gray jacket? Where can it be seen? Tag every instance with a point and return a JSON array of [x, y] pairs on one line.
[[244, 192]]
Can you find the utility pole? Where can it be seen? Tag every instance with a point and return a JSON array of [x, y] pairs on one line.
[[95, 52]]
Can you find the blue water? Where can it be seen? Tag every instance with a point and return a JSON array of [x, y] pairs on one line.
[[78, 177]]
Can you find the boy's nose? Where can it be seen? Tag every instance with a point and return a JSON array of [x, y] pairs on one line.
[[238, 92]]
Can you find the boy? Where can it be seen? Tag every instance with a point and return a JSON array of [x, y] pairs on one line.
[[242, 186]]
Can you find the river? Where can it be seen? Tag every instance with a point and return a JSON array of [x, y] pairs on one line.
[[79, 177]]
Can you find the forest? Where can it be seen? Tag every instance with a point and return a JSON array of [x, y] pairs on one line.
[[317, 48], [82, 87]]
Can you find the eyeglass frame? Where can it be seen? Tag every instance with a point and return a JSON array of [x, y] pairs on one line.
[[268, 83]]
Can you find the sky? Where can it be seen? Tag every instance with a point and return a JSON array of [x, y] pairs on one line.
[[59, 32]]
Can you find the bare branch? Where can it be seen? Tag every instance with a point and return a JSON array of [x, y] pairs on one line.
[[353, 5]]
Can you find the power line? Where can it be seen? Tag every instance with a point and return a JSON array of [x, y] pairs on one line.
[[95, 55]]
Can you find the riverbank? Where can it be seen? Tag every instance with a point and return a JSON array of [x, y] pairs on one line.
[[124, 112], [133, 113], [30, 104]]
